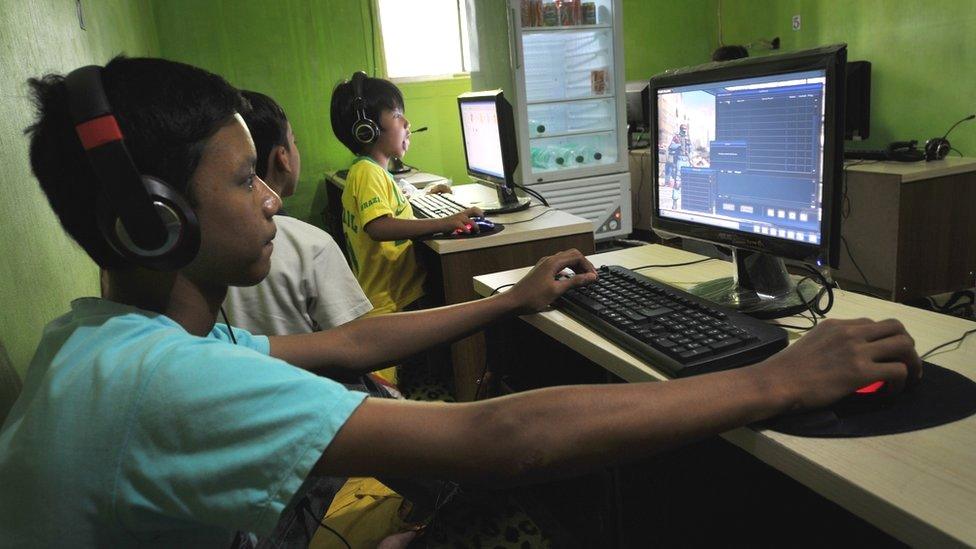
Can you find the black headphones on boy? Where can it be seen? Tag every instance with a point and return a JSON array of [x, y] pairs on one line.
[[144, 220], [364, 130]]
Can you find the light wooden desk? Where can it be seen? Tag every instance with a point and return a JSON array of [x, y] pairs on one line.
[[919, 487], [451, 263]]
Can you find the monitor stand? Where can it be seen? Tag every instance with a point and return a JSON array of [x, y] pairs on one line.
[[761, 287], [508, 201]]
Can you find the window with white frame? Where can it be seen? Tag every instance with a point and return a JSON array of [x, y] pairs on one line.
[[424, 38]]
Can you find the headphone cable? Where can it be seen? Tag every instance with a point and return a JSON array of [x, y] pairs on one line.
[[227, 322]]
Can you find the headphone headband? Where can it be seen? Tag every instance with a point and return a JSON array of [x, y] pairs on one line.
[[143, 219], [364, 130]]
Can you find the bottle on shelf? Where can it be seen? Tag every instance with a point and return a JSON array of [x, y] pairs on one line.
[[590, 153], [537, 127], [545, 158], [550, 14], [567, 156]]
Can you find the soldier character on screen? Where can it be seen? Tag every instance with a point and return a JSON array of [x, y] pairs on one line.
[[679, 152]]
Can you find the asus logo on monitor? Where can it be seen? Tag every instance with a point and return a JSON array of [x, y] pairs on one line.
[[739, 240]]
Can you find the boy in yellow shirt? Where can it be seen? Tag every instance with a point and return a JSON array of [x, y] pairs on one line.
[[378, 222]]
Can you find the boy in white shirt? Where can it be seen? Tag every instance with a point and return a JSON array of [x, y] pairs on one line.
[[310, 286]]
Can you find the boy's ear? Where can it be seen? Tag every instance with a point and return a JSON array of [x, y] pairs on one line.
[[281, 159]]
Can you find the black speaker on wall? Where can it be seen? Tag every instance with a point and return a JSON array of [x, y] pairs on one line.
[[857, 118]]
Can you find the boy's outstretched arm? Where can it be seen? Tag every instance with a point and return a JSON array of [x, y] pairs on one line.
[[561, 431], [388, 228], [369, 343]]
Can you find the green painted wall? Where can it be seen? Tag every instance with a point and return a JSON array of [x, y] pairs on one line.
[[296, 51], [922, 56], [663, 34], [42, 269]]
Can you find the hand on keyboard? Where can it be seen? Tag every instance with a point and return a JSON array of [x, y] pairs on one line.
[[438, 188], [462, 222], [540, 287]]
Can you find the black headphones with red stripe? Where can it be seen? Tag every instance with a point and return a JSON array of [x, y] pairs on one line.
[[144, 220]]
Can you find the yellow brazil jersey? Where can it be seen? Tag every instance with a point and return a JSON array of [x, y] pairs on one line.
[[387, 271]]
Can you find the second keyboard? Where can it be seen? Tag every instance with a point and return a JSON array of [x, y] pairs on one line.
[[435, 206]]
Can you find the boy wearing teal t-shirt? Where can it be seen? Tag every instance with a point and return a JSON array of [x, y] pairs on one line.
[[143, 423]]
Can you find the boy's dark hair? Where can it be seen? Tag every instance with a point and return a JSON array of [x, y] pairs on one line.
[[378, 94], [728, 53], [166, 111], [268, 125]]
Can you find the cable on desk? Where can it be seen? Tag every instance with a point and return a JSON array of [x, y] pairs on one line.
[[812, 319], [532, 192], [500, 288], [548, 209], [826, 287], [812, 306], [947, 343], [673, 264]]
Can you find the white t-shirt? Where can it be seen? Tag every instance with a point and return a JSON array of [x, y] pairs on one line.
[[310, 287]]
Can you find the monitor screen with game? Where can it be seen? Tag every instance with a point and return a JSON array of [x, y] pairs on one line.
[[749, 156], [490, 146]]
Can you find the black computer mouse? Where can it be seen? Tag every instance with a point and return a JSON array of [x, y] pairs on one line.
[[483, 224]]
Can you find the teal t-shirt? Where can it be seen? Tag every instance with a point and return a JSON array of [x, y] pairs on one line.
[[132, 432]]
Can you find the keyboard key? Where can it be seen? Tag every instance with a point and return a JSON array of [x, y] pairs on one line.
[[586, 302], [651, 313], [726, 343], [695, 353]]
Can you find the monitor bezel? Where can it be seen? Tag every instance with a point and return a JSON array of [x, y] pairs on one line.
[[506, 136], [832, 60]]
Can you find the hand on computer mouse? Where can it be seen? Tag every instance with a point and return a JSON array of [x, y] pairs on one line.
[[462, 222], [539, 287], [837, 358]]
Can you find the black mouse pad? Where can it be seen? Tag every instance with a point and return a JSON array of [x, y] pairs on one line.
[[498, 228], [943, 396]]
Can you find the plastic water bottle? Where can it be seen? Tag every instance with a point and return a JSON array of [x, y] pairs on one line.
[[537, 127], [590, 153], [567, 156], [544, 158]]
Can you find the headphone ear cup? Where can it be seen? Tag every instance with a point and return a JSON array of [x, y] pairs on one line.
[[937, 148], [182, 229], [365, 131]]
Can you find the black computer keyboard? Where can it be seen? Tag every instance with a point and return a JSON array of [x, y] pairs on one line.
[[435, 206], [867, 154], [669, 328]]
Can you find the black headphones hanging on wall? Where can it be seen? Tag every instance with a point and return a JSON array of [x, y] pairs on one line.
[[364, 130], [938, 148], [143, 219]]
